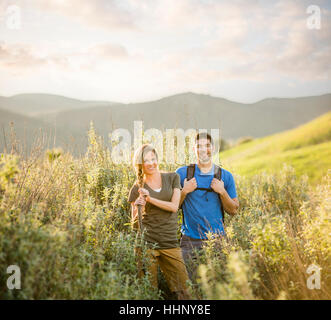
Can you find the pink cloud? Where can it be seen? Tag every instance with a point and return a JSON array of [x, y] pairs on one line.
[[225, 40], [22, 57], [97, 13]]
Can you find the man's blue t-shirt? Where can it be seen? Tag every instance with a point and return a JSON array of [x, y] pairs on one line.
[[202, 209]]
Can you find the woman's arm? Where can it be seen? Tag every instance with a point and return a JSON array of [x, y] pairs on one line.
[[171, 206]]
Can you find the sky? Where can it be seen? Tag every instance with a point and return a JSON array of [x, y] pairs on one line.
[[141, 50]]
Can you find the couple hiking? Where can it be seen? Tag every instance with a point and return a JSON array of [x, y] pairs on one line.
[[203, 191]]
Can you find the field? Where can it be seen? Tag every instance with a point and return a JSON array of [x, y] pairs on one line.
[[66, 223], [307, 149]]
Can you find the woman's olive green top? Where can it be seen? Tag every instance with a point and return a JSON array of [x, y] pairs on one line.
[[160, 226]]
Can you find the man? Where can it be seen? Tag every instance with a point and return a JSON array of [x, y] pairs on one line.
[[202, 199]]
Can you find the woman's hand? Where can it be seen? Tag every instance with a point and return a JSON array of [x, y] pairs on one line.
[[140, 201], [144, 193]]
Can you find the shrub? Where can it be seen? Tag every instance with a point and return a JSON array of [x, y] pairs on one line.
[[65, 223]]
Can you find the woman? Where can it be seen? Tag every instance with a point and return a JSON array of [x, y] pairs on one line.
[[159, 194]]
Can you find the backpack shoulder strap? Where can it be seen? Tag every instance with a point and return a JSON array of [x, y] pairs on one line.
[[190, 171], [218, 175], [217, 172]]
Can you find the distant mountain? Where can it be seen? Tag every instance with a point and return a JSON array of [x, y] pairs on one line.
[[199, 111], [34, 104], [187, 110], [30, 132]]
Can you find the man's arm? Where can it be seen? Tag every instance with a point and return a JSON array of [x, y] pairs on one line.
[[230, 205]]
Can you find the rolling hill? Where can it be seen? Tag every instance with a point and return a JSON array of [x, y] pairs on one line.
[[197, 111], [30, 131], [306, 148], [36, 104], [71, 118]]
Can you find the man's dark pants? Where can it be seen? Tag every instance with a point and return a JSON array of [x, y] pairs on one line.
[[191, 248], [190, 251]]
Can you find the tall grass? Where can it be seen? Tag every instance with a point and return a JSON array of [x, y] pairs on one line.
[[66, 223], [283, 227]]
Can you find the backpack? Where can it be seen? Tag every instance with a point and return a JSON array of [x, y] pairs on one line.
[[217, 174]]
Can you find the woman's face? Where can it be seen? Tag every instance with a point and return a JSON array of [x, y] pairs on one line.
[[150, 163]]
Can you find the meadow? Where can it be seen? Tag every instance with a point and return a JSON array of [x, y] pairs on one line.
[[306, 148], [66, 223]]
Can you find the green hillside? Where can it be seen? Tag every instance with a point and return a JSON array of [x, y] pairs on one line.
[[306, 148]]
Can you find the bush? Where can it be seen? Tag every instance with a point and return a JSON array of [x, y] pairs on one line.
[[282, 228], [66, 223]]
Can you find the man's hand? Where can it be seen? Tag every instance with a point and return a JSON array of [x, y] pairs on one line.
[[189, 186], [217, 186]]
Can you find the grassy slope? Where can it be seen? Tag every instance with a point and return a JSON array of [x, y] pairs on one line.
[[307, 148]]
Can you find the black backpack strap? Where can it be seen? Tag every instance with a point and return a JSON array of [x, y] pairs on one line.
[[218, 175], [217, 172], [190, 171]]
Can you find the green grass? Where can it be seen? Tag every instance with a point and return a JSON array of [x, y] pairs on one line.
[[306, 148], [66, 223]]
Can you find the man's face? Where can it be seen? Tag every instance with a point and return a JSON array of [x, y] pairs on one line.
[[203, 150]]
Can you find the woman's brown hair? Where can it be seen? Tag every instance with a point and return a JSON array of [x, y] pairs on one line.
[[138, 160]]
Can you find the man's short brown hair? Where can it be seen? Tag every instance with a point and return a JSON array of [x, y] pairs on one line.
[[204, 135]]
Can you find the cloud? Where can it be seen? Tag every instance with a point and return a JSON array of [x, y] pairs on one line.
[[298, 51], [179, 44], [108, 50], [24, 58], [148, 15], [109, 14], [279, 42], [19, 56]]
